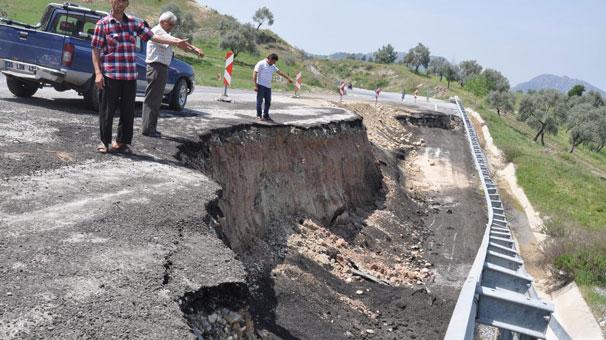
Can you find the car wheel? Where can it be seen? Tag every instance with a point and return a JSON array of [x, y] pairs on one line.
[[179, 95], [20, 88], [91, 96]]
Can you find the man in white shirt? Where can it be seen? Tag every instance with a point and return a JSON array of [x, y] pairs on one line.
[[158, 59], [262, 76]]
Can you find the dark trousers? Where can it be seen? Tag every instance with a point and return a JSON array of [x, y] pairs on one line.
[[156, 81], [117, 94], [263, 94]]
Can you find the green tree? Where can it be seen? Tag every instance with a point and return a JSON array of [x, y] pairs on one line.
[[543, 111], [478, 85], [263, 15], [469, 68], [241, 39], [451, 73], [496, 81], [228, 23], [599, 139], [186, 25], [386, 55], [502, 101], [581, 124], [595, 98], [417, 56], [438, 66], [576, 90]]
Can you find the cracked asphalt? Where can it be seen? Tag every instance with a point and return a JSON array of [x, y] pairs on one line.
[[105, 246]]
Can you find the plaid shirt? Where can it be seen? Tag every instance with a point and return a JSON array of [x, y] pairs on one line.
[[117, 42]]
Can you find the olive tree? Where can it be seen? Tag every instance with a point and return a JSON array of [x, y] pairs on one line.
[[263, 15], [581, 124], [438, 66], [468, 69], [417, 56], [241, 39], [544, 111], [386, 55], [502, 101], [452, 73], [496, 81]]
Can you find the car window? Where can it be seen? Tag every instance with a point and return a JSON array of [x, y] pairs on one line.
[[77, 26]]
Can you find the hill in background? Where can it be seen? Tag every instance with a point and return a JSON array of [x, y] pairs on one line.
[[550, 81]]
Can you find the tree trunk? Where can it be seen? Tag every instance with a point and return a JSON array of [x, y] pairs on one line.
[[543, 138], [441, 77], [539, 133], [417, 68], [261, 23], [499, 112], [448, 84]]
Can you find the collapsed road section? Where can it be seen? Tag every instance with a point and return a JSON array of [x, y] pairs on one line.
[[330, 225]]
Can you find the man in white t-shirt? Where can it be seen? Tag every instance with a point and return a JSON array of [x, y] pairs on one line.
[[158, 59], [262, 76]]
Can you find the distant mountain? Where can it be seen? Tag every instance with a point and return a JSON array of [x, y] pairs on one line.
[[550, 81]]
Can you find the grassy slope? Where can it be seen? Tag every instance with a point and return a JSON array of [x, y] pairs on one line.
[[570, 192], [568, 188]]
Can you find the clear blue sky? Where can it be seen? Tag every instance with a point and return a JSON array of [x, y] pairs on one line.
[[522, 38]]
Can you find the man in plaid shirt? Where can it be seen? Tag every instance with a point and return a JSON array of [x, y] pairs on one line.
[[114, 44]]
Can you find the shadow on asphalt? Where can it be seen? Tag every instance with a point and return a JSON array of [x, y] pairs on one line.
[[77, 106]]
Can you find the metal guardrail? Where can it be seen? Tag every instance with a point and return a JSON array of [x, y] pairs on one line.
[[498, 291]]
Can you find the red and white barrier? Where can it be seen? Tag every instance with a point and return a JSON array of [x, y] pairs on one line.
[[229, 66], [298, 83]]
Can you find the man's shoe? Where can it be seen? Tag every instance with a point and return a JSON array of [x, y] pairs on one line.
[[267, 118]]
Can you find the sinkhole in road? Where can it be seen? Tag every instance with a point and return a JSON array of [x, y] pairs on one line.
[[272, 177]]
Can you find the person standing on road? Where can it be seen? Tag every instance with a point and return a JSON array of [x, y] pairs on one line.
[[262, 77], [114, 44], [158, 59]]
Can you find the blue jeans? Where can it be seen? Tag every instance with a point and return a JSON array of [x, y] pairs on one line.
[[263, 94]]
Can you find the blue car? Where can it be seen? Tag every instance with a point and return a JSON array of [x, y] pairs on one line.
[[57, 52]]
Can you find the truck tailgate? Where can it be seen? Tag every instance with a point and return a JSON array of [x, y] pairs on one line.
[[25, 45]]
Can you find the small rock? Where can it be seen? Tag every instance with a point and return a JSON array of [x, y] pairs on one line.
[[370, 331], [9, 294], [424, 271], [359, 292], [427, 264], [212, 318], [349, 334], [348, 280]]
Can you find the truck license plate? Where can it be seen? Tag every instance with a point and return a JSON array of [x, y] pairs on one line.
[[31, 69]]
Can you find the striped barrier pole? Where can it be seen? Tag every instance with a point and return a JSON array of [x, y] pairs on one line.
[[298, 83]]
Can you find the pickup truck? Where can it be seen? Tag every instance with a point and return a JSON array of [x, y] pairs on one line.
[[57, 52]]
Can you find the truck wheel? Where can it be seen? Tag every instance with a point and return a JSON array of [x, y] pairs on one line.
[[91, 97], [178, 97], [20, 88]]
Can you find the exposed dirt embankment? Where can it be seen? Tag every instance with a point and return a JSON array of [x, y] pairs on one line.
[[268, 173], [336, 238]]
